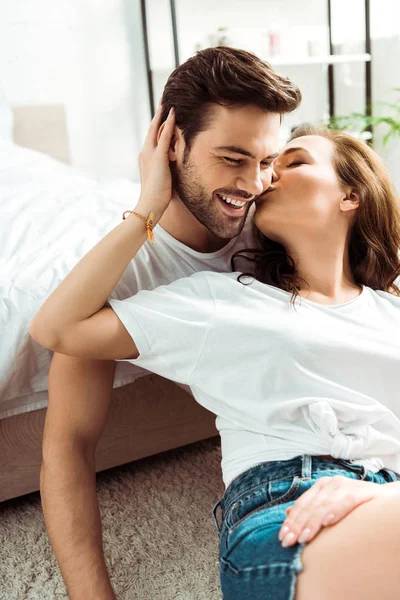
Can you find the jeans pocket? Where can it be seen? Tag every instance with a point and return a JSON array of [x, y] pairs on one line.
[[261, 497]]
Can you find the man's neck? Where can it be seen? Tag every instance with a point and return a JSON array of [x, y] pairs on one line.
[[179, 222]]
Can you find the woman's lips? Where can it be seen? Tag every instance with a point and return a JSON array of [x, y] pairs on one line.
[[265, 194]]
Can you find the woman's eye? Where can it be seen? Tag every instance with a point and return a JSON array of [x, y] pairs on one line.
[[232, 160], [299, 162]]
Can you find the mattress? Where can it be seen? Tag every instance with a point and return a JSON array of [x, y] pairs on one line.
[[50, 217]]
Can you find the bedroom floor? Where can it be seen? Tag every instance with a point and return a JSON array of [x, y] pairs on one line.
[[159, 538]]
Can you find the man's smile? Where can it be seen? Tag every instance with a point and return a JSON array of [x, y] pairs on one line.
[[233, 205]]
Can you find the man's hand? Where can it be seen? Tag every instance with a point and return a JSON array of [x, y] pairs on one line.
[[328, 501], [155, 173]]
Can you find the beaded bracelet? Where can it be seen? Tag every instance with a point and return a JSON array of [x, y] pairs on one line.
[[149, 221]]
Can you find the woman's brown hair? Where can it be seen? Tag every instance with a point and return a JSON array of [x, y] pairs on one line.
[[374, 236], [224, 76]]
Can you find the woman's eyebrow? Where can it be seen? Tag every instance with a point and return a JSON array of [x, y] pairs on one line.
[[238, 150], [295, 149]]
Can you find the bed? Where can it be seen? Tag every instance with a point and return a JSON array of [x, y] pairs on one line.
[[50, 216]]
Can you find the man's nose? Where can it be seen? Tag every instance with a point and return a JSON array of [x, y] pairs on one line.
[[254, 182]]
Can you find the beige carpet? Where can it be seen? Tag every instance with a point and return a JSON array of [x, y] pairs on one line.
[[160, 542]]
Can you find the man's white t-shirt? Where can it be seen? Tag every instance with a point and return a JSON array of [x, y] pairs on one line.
[[283, 381], [168, 260]]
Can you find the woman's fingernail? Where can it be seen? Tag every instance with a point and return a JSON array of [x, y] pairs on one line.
[[305, 535], [283, 532], [288, 539]]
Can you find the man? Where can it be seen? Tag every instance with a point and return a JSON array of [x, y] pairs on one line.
[[228, 106]]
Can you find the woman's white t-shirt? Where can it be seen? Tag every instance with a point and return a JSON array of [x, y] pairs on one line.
[[282, 381], [168, 260]]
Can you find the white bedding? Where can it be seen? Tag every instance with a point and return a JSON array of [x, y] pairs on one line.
[[50, 217], [6, 117]]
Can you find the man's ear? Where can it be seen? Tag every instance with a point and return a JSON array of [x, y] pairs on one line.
[[176, 142]]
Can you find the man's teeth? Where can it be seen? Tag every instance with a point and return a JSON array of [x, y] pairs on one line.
[[231, 201]]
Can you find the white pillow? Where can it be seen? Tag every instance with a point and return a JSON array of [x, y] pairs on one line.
[[6, 118]]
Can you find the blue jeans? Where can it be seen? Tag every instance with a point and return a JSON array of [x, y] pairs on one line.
[[253, 563]]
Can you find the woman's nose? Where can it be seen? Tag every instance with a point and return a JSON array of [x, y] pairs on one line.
[[274, 174]]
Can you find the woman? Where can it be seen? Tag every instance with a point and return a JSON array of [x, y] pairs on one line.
[[299, 362]]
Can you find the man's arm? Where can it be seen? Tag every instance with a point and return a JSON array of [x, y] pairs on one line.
[[79, 399]]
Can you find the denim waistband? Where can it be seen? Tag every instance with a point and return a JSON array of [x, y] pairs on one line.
[[302, 466]]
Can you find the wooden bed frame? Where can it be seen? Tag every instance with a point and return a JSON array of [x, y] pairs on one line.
[[148, 416]]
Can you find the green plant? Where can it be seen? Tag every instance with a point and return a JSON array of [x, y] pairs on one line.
[[360, 122]]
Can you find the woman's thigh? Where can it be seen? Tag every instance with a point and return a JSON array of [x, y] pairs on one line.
[[357, 558], [253, 563]]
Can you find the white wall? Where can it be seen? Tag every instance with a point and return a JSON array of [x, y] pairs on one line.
[[87, 55]]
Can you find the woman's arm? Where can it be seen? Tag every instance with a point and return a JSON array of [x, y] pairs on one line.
[[87, 287], [85, 290]]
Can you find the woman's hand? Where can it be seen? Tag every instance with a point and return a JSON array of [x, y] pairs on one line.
[[328, 501], [155, 173]]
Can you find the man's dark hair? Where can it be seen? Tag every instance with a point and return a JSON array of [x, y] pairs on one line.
[[225, 76]]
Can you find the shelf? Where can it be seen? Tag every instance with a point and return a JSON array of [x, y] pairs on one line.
[[323, 60], [307, 60]]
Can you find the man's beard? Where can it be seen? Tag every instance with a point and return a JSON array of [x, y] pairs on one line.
[[201, 204]]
